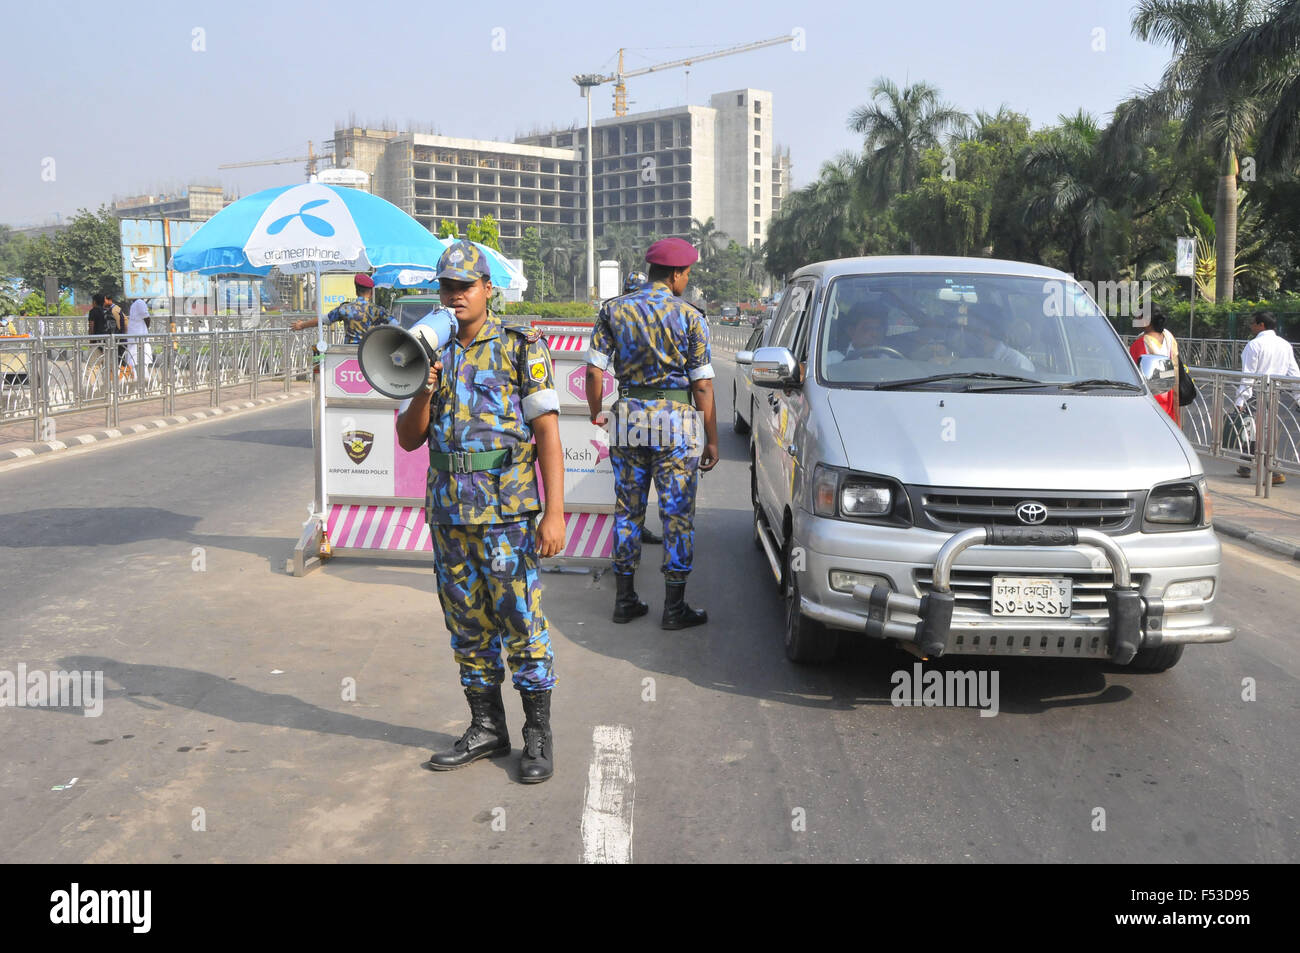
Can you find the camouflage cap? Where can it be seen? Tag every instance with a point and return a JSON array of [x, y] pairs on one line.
[[463, 261]]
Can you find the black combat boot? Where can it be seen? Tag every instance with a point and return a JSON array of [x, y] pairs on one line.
[[535, 765], [677, 614], [627, 606], [650, 537], [486, 736]]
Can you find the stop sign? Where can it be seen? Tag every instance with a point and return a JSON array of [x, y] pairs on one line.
[[578, 383], [349, 378]]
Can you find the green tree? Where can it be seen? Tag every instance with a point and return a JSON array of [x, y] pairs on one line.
[[708, 239], [897, 127], [448, 229], [1218, 116], [530, 250], [623, 244], [87, 255], [486, 232], [1268, 55], [559, 254]]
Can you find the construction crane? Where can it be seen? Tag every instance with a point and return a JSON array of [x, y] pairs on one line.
[[588, 81], [310, 158], [618, 76]]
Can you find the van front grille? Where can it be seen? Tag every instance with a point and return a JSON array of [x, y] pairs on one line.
[[952, 510]]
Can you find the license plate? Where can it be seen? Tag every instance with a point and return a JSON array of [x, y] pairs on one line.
[[1032, 596]]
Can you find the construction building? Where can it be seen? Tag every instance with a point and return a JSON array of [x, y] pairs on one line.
[[655, 172], [196, 203]]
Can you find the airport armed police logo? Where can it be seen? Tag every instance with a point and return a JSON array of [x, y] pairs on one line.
[[357, 443]]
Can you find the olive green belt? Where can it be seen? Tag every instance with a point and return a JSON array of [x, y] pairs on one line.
[[657, 393], [465, 461]]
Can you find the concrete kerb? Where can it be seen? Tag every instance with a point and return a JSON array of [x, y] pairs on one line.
[[129, 430], [1273, 544]]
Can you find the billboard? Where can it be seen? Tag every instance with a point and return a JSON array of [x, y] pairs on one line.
[[147, 247]]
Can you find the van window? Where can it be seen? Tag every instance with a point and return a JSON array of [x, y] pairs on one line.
[[883, 328], [796, 303]]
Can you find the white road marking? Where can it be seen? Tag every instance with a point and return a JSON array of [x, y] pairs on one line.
[[607, 807]]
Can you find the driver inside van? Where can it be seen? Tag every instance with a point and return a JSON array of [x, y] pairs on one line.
[[866, 335]]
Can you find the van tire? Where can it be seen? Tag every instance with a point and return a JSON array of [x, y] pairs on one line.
[[806, 640], [1158, 659]]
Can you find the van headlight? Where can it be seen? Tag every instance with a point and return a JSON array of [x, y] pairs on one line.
[[844, 494], [1178, 504]]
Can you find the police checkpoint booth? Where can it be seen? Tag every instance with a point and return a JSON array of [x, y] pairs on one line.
[[369, 492]]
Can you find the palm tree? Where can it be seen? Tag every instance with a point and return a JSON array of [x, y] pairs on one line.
[[622, 243], [558, 254], [1222, 116], [897, 126], [1068, 170], [1269, 55], [708, 240]]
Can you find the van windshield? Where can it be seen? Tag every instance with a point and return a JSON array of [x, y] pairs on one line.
[[967, 332]]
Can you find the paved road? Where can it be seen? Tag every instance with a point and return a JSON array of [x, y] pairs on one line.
[[202, 754]]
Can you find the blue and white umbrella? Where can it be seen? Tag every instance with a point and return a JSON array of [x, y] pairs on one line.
[[307, 228], [504, 274], [311, 227]]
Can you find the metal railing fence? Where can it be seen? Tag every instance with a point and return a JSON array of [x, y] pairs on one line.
[[43, 377], [1263, 434]]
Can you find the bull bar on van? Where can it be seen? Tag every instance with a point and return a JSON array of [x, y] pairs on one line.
[[1135, 621]]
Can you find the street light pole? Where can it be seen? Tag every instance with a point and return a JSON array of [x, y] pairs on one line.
[[585, 82]]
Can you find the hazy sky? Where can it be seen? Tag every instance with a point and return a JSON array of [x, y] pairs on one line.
[[123, 98]]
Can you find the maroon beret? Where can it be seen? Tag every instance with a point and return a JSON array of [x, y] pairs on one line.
[[363, 281], [672, 252]]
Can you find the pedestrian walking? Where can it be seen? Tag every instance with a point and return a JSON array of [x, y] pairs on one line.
[[657, 345], [1265, 355], [1157, 339], [491, 394], [359, 315], [139, 352]]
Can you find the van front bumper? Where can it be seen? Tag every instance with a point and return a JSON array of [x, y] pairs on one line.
[[1130, 621]]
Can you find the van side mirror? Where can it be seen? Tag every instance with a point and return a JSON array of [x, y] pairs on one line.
[[774, 367], [1159, 372]]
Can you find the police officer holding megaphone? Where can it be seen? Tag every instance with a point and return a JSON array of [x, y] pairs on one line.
[[481, 394]]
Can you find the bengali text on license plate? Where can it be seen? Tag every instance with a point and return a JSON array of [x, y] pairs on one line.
[[1034, 596]]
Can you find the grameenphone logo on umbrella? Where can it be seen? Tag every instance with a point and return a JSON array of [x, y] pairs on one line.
[[304, 226]]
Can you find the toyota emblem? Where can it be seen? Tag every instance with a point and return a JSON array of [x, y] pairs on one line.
[[1031, 512]]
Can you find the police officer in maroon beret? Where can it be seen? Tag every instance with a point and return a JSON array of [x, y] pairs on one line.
[[657, 345], [360, 314]]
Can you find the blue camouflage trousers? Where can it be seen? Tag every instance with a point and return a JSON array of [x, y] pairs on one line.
[[491, 594], [675, 473]]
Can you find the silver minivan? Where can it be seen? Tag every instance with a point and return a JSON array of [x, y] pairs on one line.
[[959, 455]]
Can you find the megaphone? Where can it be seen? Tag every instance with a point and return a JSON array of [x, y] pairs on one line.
[[395, 360]]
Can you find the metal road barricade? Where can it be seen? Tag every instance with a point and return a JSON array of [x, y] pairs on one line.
[[1264, 435], [369, 492], [44, 377], [1216, 353], [728, 337]]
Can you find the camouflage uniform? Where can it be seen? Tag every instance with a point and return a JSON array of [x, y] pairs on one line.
[[653, 338], [482, 522], [359, 316]]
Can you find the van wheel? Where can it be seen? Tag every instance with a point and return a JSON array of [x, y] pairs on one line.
[[806, 640], [738, 423], [1158, 659]]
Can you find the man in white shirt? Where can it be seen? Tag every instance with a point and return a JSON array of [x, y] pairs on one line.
[[1268, 356]]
